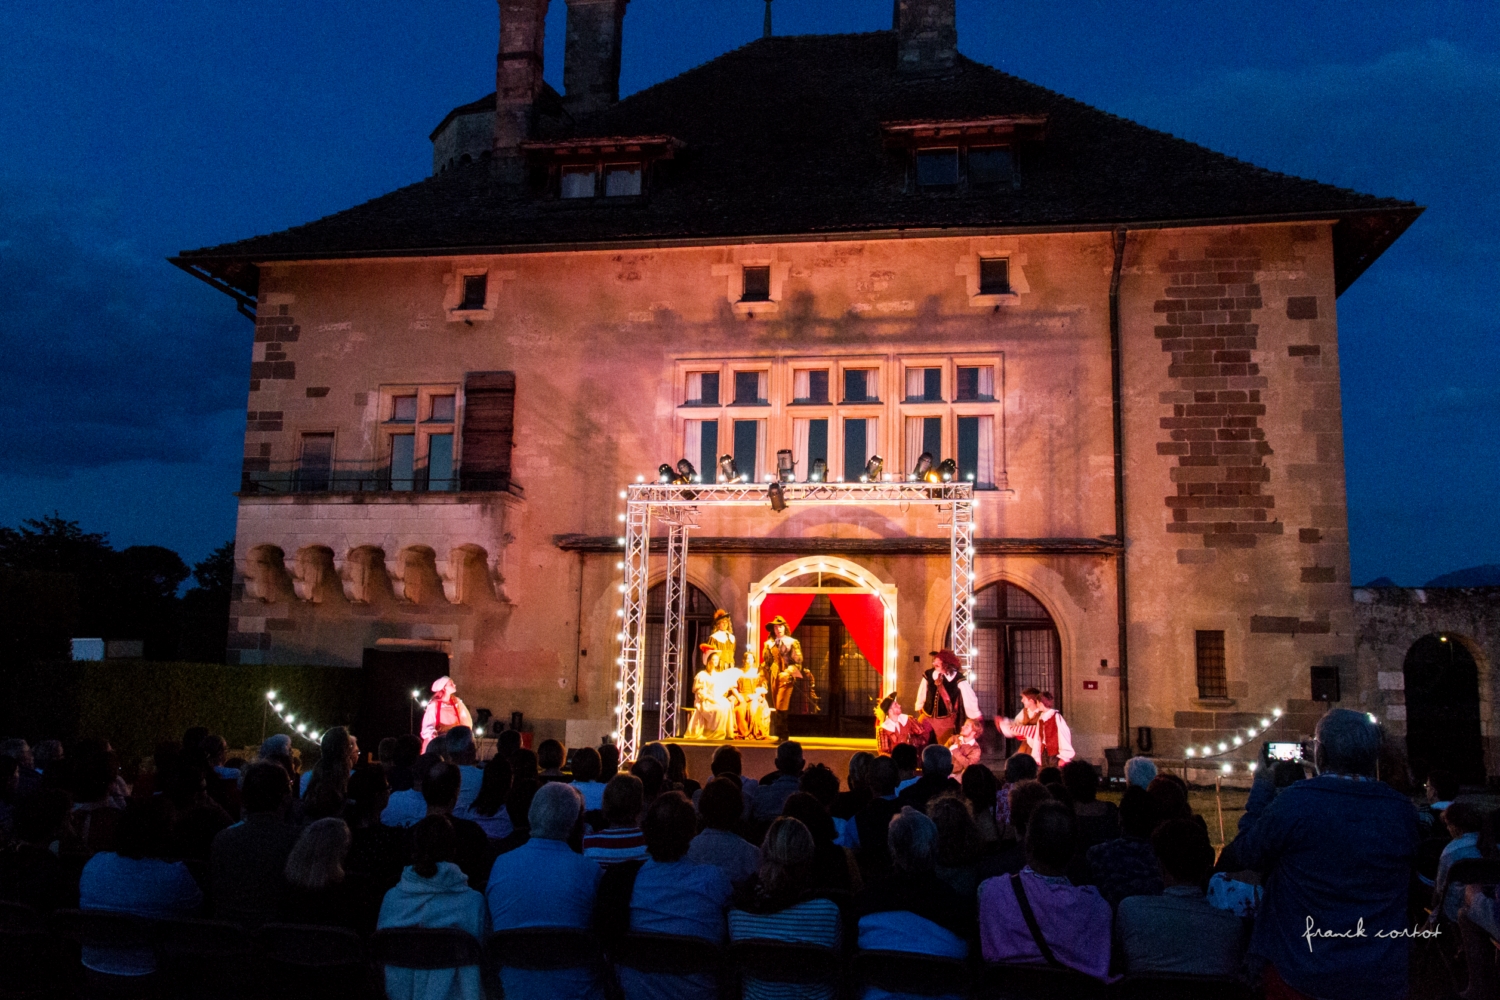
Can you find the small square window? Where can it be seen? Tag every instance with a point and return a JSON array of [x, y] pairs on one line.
[[991, 166], [442, 410], [404, 410], [810, 385], [976, 384], [578, 182], [475, 287], [994, 276], [859, 386], [757, 286], [924, 385], [703, 388], [749, 388], [621, 180], [937, 168]]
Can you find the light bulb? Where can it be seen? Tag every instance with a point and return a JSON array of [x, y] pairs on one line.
[[1265, 723], [270, 696], [1223, 747], [1227, 768], [622, 494], [1276, 712], [290, 717], [1190, 751], [1208, 751], [1238, 741], [1253, 765], [1250, 733]]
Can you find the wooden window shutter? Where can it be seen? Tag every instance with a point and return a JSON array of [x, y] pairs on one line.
[[489, 430]]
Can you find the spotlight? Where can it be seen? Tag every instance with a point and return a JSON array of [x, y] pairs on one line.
[[728, 471], [778, 497], [873, 468], [685, 471], [819, 471], [924, 466], [664, 473], [947, 470], [786, 468]]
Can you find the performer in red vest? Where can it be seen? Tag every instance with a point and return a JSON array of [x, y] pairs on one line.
[[1041, 727]]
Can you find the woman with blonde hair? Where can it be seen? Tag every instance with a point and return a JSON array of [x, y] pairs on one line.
[[781, 905], [319, 890]]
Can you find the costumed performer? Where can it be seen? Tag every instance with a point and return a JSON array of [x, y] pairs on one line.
[[966, 745], [752, 712], [722, 638], [945, 697], [896, 727], [794, 690], [1041, 727], [711, 711], [444, 711]]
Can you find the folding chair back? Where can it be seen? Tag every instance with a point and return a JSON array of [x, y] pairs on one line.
[[1165, 986], [425, 948], [1004, 981], [205, 960], [303, 960], [668, 954], [785, 962], [34, 963], [913, 973], [544, 948], [107, 930]]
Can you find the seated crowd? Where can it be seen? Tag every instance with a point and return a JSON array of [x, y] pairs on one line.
[[903, 855]]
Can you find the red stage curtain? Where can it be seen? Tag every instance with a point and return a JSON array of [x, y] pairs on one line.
[[792, 607], [864, 616]]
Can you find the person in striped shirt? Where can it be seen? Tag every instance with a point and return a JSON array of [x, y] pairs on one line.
[[621, 839]]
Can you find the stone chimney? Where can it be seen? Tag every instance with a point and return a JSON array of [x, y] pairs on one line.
[[927, 37], [591, 64], [518, 73]]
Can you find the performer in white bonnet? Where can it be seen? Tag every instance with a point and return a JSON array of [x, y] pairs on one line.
[[444, 711]]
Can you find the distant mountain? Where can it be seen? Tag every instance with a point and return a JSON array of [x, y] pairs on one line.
[[1382, 581], [1487, 575]]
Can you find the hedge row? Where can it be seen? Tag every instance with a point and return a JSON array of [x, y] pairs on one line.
[[136, 704]]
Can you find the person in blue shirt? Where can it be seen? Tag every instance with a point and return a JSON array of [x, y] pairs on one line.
[[1335, 854]]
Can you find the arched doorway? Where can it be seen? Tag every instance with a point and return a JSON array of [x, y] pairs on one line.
[[1016, 646], [697, 624], [1442, 709]]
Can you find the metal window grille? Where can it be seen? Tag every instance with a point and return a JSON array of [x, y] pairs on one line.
[[1212, 680]]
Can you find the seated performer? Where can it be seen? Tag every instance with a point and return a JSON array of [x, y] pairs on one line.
[[752, 712], [444, 711], [711, 710], [966, 745], [1041, 728], [895, 727]]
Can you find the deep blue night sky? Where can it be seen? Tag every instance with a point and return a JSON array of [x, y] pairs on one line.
[[135, 129]]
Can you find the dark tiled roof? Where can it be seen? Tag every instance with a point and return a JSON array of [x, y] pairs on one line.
[[783, 137]]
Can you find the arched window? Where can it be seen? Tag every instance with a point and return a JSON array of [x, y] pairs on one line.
[[1442, 708], [1015, 647], [698, 622]]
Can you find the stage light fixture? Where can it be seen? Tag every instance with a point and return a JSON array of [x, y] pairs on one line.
[[685, 471], [947, 470], [728, 471], [786, 467], [873, 468], [777, 496], [819, 471], [664, 473], [924, 466]]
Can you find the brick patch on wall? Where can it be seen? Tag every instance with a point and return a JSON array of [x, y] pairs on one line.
[[317, 391], [275, 330], [1311, 536], [1289, 626], [1302, 307], [1214, 430]]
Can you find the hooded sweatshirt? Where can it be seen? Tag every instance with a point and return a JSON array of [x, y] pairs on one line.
[[445, 900]]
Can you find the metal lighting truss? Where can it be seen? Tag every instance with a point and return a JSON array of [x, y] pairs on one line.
[[679, 505]]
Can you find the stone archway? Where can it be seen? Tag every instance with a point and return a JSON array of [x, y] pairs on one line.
[[1443, 708]]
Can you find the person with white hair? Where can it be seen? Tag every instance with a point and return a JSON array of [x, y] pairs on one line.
[[912, 910], [1140, 771], [1335, 853], [444, 711], [543, 883]]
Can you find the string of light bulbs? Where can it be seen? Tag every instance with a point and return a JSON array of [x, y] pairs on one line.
[[315, 736], [1211, 751]]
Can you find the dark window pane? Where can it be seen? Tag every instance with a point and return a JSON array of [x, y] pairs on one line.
[[968, 449], [968, 384], [403, 461], [474, 288], [745, 434], [1212, 680], [817, 387], [710, 395], [854, 450], [747, 388], [932, 437], [1019, 604], [857, 386], [932, 385], [316, 467], [442, 410], [404, 409], [990, 166], [937, 168], [708, 450], [817, 442], [440, 463], [578, 182], [622, 180], [757, 284], [994, 276]]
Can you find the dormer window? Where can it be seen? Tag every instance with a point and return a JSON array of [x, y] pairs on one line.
[[475, 288], [991, 167], [757, 287], [603, 166], [622, 180], [579, 182], [937, 169], [970, 154], [994, 276]]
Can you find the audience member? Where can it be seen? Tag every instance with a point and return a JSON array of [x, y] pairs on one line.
[[1170, 796], [847, 803], [46, 754], [198, 818], [674, 896], [404, 757], [609, 761], [721, 805], [1140, 772], [96, 812], [1464, 823], [408, 808], [524, 767], [1018, 767], [217, 751], [10, 788], [550, 757], [622, 838], [1025, 796], [834, 868], [30, 871], [677, 772], [937, 769], [440, 789], [780, 904], [385, 754], [821, 783], [376, 852], [136, 878], [319, 890], [912, 909], [769, 798], [1050, 775], [1178, 931], [728, 762], [1335, 850], [433, 892], [30, 778], [958, 843], [1441, 788], [1037, 916], [569, 883], [277, 748], [982, 791], [872, 822], [339, 754], [586, 771], [508, 744], [488, 807], [463, 754], [518, 811], [1127, 865], [248, 860], [1097, 821], [907, 759]]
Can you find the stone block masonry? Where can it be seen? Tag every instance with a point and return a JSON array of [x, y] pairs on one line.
[[1214, 431], [273, 331]]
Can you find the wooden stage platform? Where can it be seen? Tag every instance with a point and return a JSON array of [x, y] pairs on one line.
[[760, 755]]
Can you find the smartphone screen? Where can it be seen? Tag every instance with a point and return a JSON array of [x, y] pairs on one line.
[[1277, 752]]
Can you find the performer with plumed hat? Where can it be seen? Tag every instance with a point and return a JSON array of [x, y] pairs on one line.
[[794, 690], [945, 696]]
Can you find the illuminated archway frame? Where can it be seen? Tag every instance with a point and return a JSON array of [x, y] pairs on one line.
[[863, 582], [678, 507]]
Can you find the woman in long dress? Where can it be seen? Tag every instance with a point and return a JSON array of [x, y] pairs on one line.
[[752, 712], [711, 710]]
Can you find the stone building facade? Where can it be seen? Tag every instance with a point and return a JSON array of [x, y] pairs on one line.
[[841, 247]]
